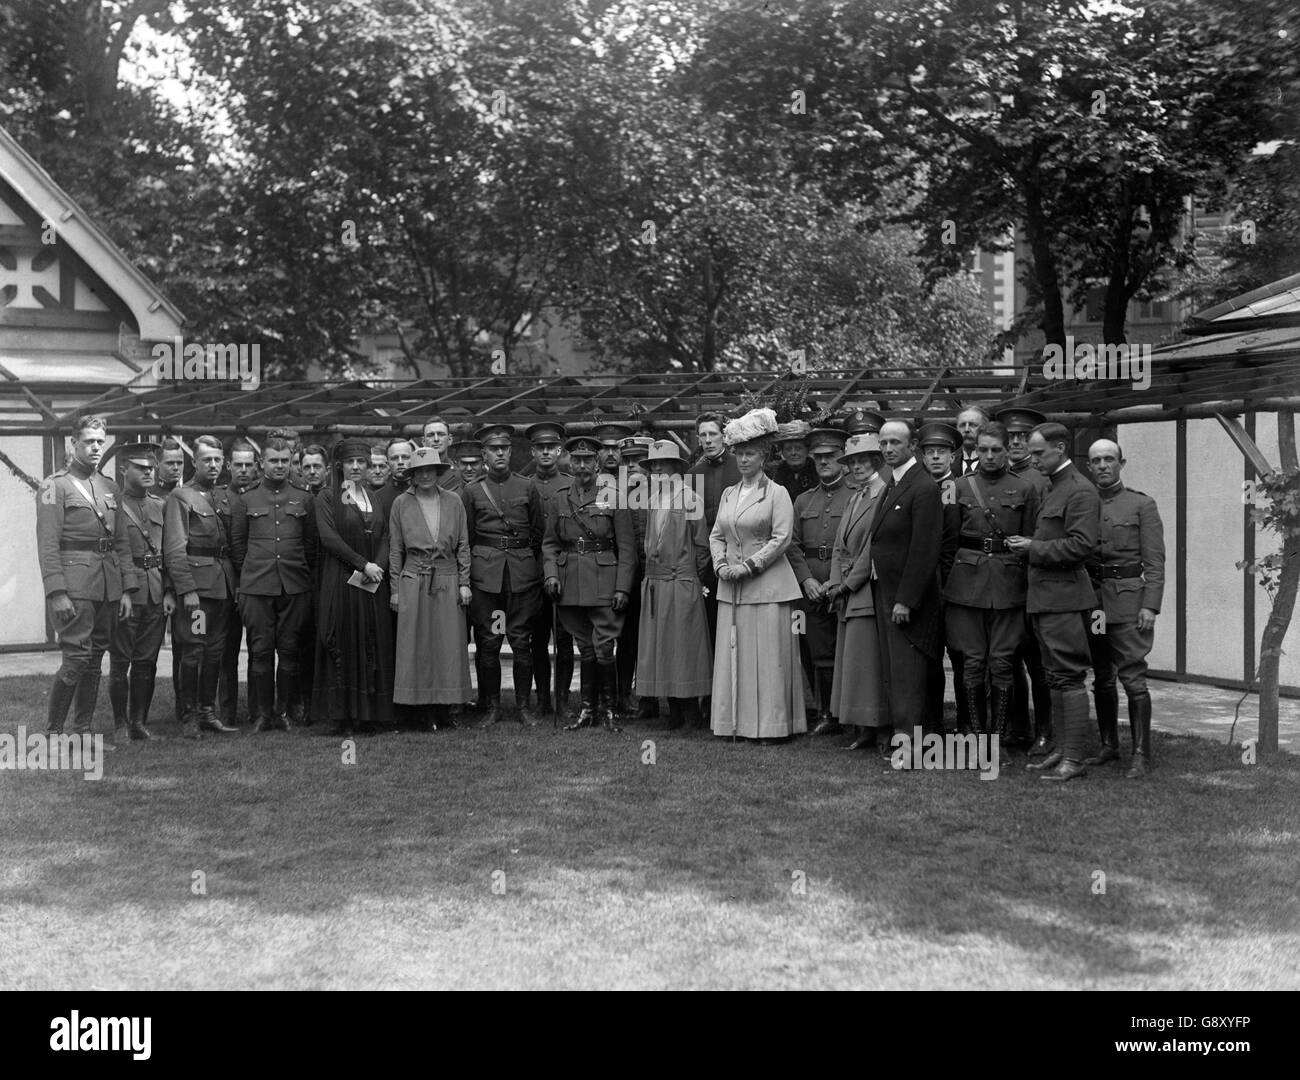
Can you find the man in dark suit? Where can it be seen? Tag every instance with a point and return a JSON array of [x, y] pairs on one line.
[[1061, 595], [939, 444], [906, 538]]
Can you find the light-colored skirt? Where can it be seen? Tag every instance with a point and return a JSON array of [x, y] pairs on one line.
[[857, 695], [672, 656], [432, 649], [765, 671]]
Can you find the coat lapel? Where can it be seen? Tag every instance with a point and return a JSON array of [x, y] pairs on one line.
[[888, 500]]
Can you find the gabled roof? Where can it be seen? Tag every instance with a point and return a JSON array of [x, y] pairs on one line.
[[157, 318], [1275, 304]]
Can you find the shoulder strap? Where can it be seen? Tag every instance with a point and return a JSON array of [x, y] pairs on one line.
[[994, 527], [126, 509], [89, 496]]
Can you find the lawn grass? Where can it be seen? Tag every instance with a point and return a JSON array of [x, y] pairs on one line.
[[622, 874]]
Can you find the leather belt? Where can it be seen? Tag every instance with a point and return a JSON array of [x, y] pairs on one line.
[[1120, 570], [218, 552], [103, 545], [148, 562], [582, 545], [990, 545], [504, 543], [822, 552]]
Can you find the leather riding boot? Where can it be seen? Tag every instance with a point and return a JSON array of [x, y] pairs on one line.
[[607, 686], [259, 707], [208, 719], [587, 714], [1072, 736], [1000, 722], [545, 705], [187, 700], [1044, 733], [563, 677], [286, 689], [676, 714], [83, 702], [1107, 699], [61, 695], [490, 691], [826, 722], [141, 694], [119, 694], [1139, 719], [1053, 757], [976, 709], [522, 672]]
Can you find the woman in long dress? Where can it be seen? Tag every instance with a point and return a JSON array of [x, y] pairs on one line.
[[757, 689], [354, 628], [673, 623], [857, 691], [428, 568]]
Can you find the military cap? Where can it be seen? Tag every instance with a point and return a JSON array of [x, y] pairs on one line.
[[466, 450], [865, 443], [547, 431], [612, 434], [636, 445], [141, 452], [495, 434], [795, 431], [826, 438], [426, 456], [582, 444], [861, 421], [937, 433], [1020, 419]]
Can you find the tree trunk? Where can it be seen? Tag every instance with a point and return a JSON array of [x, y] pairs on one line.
[[1279, 617], [1049, 284], [1115, 310]]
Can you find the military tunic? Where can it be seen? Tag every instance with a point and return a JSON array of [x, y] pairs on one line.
[[137, 640], [817, 516], [987, 586], [1128, 574], [1029, 682], [550, 487], [84, 553], [590, 548]]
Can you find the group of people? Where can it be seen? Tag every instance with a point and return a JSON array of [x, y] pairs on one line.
[[857, 551]]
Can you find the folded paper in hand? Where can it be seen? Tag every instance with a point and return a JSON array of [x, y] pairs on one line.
[[359, 580]]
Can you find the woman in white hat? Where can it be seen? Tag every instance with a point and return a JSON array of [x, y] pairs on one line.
[[857, 692], [757, 689], [669, 661], [429, 560]]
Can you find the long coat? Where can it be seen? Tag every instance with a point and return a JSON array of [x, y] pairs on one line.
[[198, 518], [906, 543], [513, 513], [851, 558], [1068, 523], [589, 578], [63, 514], [1131, 534], [759, 528], [672, 646]]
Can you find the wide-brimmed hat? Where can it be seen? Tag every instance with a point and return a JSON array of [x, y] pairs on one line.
[[666, 450], [866, 443], [426, 457]]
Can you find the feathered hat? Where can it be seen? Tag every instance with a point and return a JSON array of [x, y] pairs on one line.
[[755, 424]]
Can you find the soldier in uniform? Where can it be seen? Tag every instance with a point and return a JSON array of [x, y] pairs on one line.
[[794, 470], [273, 543], [610, 437], [938, 444], [1060, 596], [817, 517], [171, 468], [1128, 573], [468, 456], [635, 487], [1028, 680], [986, 588], [314, 468], [85, 559], [398, 450], [590, 562], [506, 521], [437, 434], [245, 471], [196, 556], [133, 651], [546, 438]]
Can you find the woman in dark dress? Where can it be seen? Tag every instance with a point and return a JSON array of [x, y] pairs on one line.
[[354, 628]]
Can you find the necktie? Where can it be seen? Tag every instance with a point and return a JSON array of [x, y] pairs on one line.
[[968, 466]]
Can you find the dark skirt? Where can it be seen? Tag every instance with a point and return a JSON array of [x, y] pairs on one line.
[[354, 650]]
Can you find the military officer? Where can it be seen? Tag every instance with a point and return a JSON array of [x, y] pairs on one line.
[[1128, 573], [817, 517], [136, 642], [1028, 680], [468, 456], [610, 437], [273, 547], [506, 521], [794, 470], [987, 586], [546, 439], [245, 471], [86, 567], [1060, 596], [938, 444], [314, 468], [634, 487], [171, 468], [196, 556], [590, 562]]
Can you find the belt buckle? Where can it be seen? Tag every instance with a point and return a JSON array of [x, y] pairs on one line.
[[988, 545], [822, 553], [580, 545], [503, 542], [104, 545]]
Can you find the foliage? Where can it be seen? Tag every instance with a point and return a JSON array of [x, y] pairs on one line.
[[1275, 508]]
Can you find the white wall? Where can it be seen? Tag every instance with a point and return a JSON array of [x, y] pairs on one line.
[[22, 599]]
